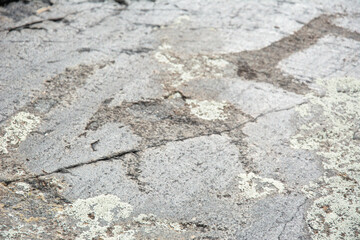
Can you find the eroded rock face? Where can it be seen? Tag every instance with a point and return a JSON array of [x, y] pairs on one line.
[[179, 120]]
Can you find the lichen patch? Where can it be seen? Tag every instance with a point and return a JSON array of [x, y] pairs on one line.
[[183, 69], [253, 186], [335, 213], [17, 130], [95, 215], [207, 110]]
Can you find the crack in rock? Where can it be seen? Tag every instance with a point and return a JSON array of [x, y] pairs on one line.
[[149, 145], [291, 219], [31, 25]]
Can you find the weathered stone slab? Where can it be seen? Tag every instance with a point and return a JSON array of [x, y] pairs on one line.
[[179, 119]]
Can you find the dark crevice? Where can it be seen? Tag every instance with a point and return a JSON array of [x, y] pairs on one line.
[[149, 25], [277, 110], [102, 159], [182, 9], [94, 144], [31, 24], [85, 49], [3, 3], [67, 168], [122, 2], [136, 51], [174, 94]]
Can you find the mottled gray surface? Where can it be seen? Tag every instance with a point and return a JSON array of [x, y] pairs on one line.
[[179, 119], [331, 57]]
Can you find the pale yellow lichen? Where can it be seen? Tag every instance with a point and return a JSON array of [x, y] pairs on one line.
[[253, 186], [150, 222], [24, 186], [335, 213], [181, 19], [95, 215], [17, 130], [188, 69], [207, 110], [21, 232]]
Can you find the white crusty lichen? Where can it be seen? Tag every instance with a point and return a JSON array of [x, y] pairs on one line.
[[150, 222], [107, 217], [253, 186], [207, 110], [186, 69], [95, 215], [17, 129], [335, 213]]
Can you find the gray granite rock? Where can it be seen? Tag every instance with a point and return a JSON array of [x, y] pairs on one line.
[[179, 119]]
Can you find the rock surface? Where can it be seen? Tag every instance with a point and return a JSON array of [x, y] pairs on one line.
[[179, 119]]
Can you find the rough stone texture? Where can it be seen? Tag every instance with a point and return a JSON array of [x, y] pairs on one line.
[[271, 151], [331, 57], [179, 119], [351, 22]]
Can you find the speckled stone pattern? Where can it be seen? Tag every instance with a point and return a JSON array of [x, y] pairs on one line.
[[167, 119]]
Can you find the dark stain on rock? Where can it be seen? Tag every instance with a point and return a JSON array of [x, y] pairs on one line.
[[132, 164], [160, 121], [20, 9], [60, 89], [196, 226], [163, 120], [36, 206], [261, 65]]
